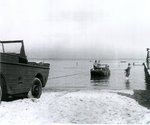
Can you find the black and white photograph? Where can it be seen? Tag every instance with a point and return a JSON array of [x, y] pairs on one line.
[[74, 62]]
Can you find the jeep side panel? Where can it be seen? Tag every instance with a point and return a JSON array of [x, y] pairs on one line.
[[19, 76]]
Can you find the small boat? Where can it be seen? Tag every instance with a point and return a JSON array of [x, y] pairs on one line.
[[101, 71]]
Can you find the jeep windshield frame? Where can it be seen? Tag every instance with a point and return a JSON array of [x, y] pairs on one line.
[[22, 51]]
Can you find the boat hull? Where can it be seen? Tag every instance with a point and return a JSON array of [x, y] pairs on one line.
[[100, 73]]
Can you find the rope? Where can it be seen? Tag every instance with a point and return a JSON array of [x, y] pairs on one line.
[[57, 77]]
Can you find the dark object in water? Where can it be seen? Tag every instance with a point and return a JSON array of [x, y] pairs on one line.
[[137, 64], [102, 71], [123, 61], [18, 76]]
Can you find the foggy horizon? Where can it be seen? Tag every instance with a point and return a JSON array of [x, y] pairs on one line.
[[96, 29]]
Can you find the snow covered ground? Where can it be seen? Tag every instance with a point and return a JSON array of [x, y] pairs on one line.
[[85, 106]]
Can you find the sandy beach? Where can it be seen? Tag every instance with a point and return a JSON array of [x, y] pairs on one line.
[[84, 106]]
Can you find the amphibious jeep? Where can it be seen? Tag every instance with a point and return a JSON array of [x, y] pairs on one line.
[[18, 76]]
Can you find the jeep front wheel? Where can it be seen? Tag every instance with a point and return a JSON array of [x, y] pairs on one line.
[[36, 89]]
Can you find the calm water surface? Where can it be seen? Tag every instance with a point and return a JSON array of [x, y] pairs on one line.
[[75, 74]]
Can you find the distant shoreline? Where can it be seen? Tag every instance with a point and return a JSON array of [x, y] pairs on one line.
[[82, 59]]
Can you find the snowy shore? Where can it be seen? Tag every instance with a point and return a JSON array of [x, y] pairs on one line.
[[85, 106]]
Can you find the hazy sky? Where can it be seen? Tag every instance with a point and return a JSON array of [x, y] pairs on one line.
[[78, 28]]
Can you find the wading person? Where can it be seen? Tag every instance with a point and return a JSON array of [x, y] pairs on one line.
[[127, 70]]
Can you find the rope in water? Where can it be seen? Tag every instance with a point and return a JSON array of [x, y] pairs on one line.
[[57, 77]]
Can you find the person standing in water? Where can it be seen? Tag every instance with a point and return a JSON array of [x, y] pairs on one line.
[[127, 70]]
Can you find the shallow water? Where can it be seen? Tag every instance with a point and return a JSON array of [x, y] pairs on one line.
[[75, 74]]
